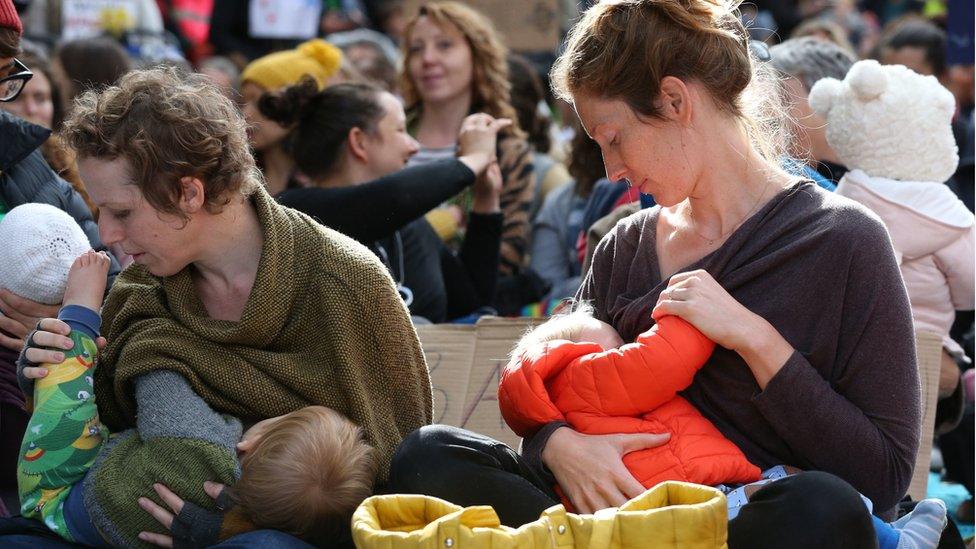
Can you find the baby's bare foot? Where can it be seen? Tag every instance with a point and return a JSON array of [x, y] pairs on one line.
[[87, 279]]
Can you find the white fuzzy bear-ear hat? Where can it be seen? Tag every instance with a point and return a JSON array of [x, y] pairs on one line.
[[889, 121]]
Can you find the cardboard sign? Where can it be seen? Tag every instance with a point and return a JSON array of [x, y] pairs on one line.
[[526, 25], [288, 19], [88, 18], [465, 362]]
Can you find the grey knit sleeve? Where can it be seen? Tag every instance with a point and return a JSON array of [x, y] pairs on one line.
[[168, 407]]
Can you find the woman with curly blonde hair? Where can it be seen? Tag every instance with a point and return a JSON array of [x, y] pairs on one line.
[[455, 65]]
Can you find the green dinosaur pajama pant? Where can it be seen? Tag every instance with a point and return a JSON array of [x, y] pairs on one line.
[[64, 434]]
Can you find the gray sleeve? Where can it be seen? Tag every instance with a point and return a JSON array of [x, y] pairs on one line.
[[168, 407], [533, 445]]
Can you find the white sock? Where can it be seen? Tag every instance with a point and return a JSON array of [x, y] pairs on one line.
[[922, 528]]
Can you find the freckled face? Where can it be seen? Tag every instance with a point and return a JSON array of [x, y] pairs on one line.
[[161, 242], [648, 153]]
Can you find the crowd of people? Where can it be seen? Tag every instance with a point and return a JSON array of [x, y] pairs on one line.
[[750, 228]]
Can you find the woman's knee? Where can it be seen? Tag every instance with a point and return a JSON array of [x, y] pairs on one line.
[[822, 494], [418, 453], [435, 454], [811, 509]]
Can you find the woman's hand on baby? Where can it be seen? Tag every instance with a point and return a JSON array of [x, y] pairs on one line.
[[18, 316], [700, 300], [44, 344], [166, 517], [697, 298], [590, 468]]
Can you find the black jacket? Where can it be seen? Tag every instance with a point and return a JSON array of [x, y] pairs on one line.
[[25, 177], [444, 285], [387, 215]]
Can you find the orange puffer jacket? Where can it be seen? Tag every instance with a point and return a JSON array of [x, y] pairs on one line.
[[632, 389]]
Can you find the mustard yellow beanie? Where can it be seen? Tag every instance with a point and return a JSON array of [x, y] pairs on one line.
[[316, 58]]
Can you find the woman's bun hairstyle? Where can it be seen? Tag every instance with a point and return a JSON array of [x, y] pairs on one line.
[[292, 104], [322, 119], [623, 49]]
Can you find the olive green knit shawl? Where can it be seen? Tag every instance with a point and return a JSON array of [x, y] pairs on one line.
[[323, 325]]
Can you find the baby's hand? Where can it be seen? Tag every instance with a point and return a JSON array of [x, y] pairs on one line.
[[600, 333]]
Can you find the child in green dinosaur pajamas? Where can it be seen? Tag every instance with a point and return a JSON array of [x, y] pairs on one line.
[[46, 257], [64, 434]]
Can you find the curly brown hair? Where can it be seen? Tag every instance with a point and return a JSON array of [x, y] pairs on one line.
[[167, 125], [490, 87]]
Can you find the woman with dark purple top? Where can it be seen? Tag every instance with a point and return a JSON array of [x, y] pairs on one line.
[[815, 364]]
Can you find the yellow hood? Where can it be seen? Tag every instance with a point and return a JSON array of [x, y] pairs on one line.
[[671, 514]]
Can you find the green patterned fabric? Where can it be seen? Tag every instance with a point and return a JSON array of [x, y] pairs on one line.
[[62, 438]]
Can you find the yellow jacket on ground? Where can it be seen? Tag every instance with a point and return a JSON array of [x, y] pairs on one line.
[[671, 514]]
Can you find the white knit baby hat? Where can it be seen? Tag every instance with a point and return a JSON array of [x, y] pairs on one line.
[[38, 244]]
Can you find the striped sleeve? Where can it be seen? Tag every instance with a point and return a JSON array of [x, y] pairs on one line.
[[515, 161]]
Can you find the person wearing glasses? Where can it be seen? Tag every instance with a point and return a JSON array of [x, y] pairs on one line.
[[24, 177], [14, 75]]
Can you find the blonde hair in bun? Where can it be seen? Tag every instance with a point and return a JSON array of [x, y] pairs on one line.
[[622, 49]]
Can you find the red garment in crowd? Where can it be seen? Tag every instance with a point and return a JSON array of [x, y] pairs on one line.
[[632, 389], [9, 18], [191, 19]]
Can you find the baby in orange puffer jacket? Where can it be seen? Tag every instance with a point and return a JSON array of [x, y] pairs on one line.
[[576, 369]]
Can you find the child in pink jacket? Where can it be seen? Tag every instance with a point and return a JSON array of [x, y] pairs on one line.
[[891, 127]]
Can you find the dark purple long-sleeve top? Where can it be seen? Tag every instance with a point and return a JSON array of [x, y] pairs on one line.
[[821, 269]]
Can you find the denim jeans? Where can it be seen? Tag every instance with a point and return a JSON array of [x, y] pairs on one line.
[[270, 539], [79, 523]]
